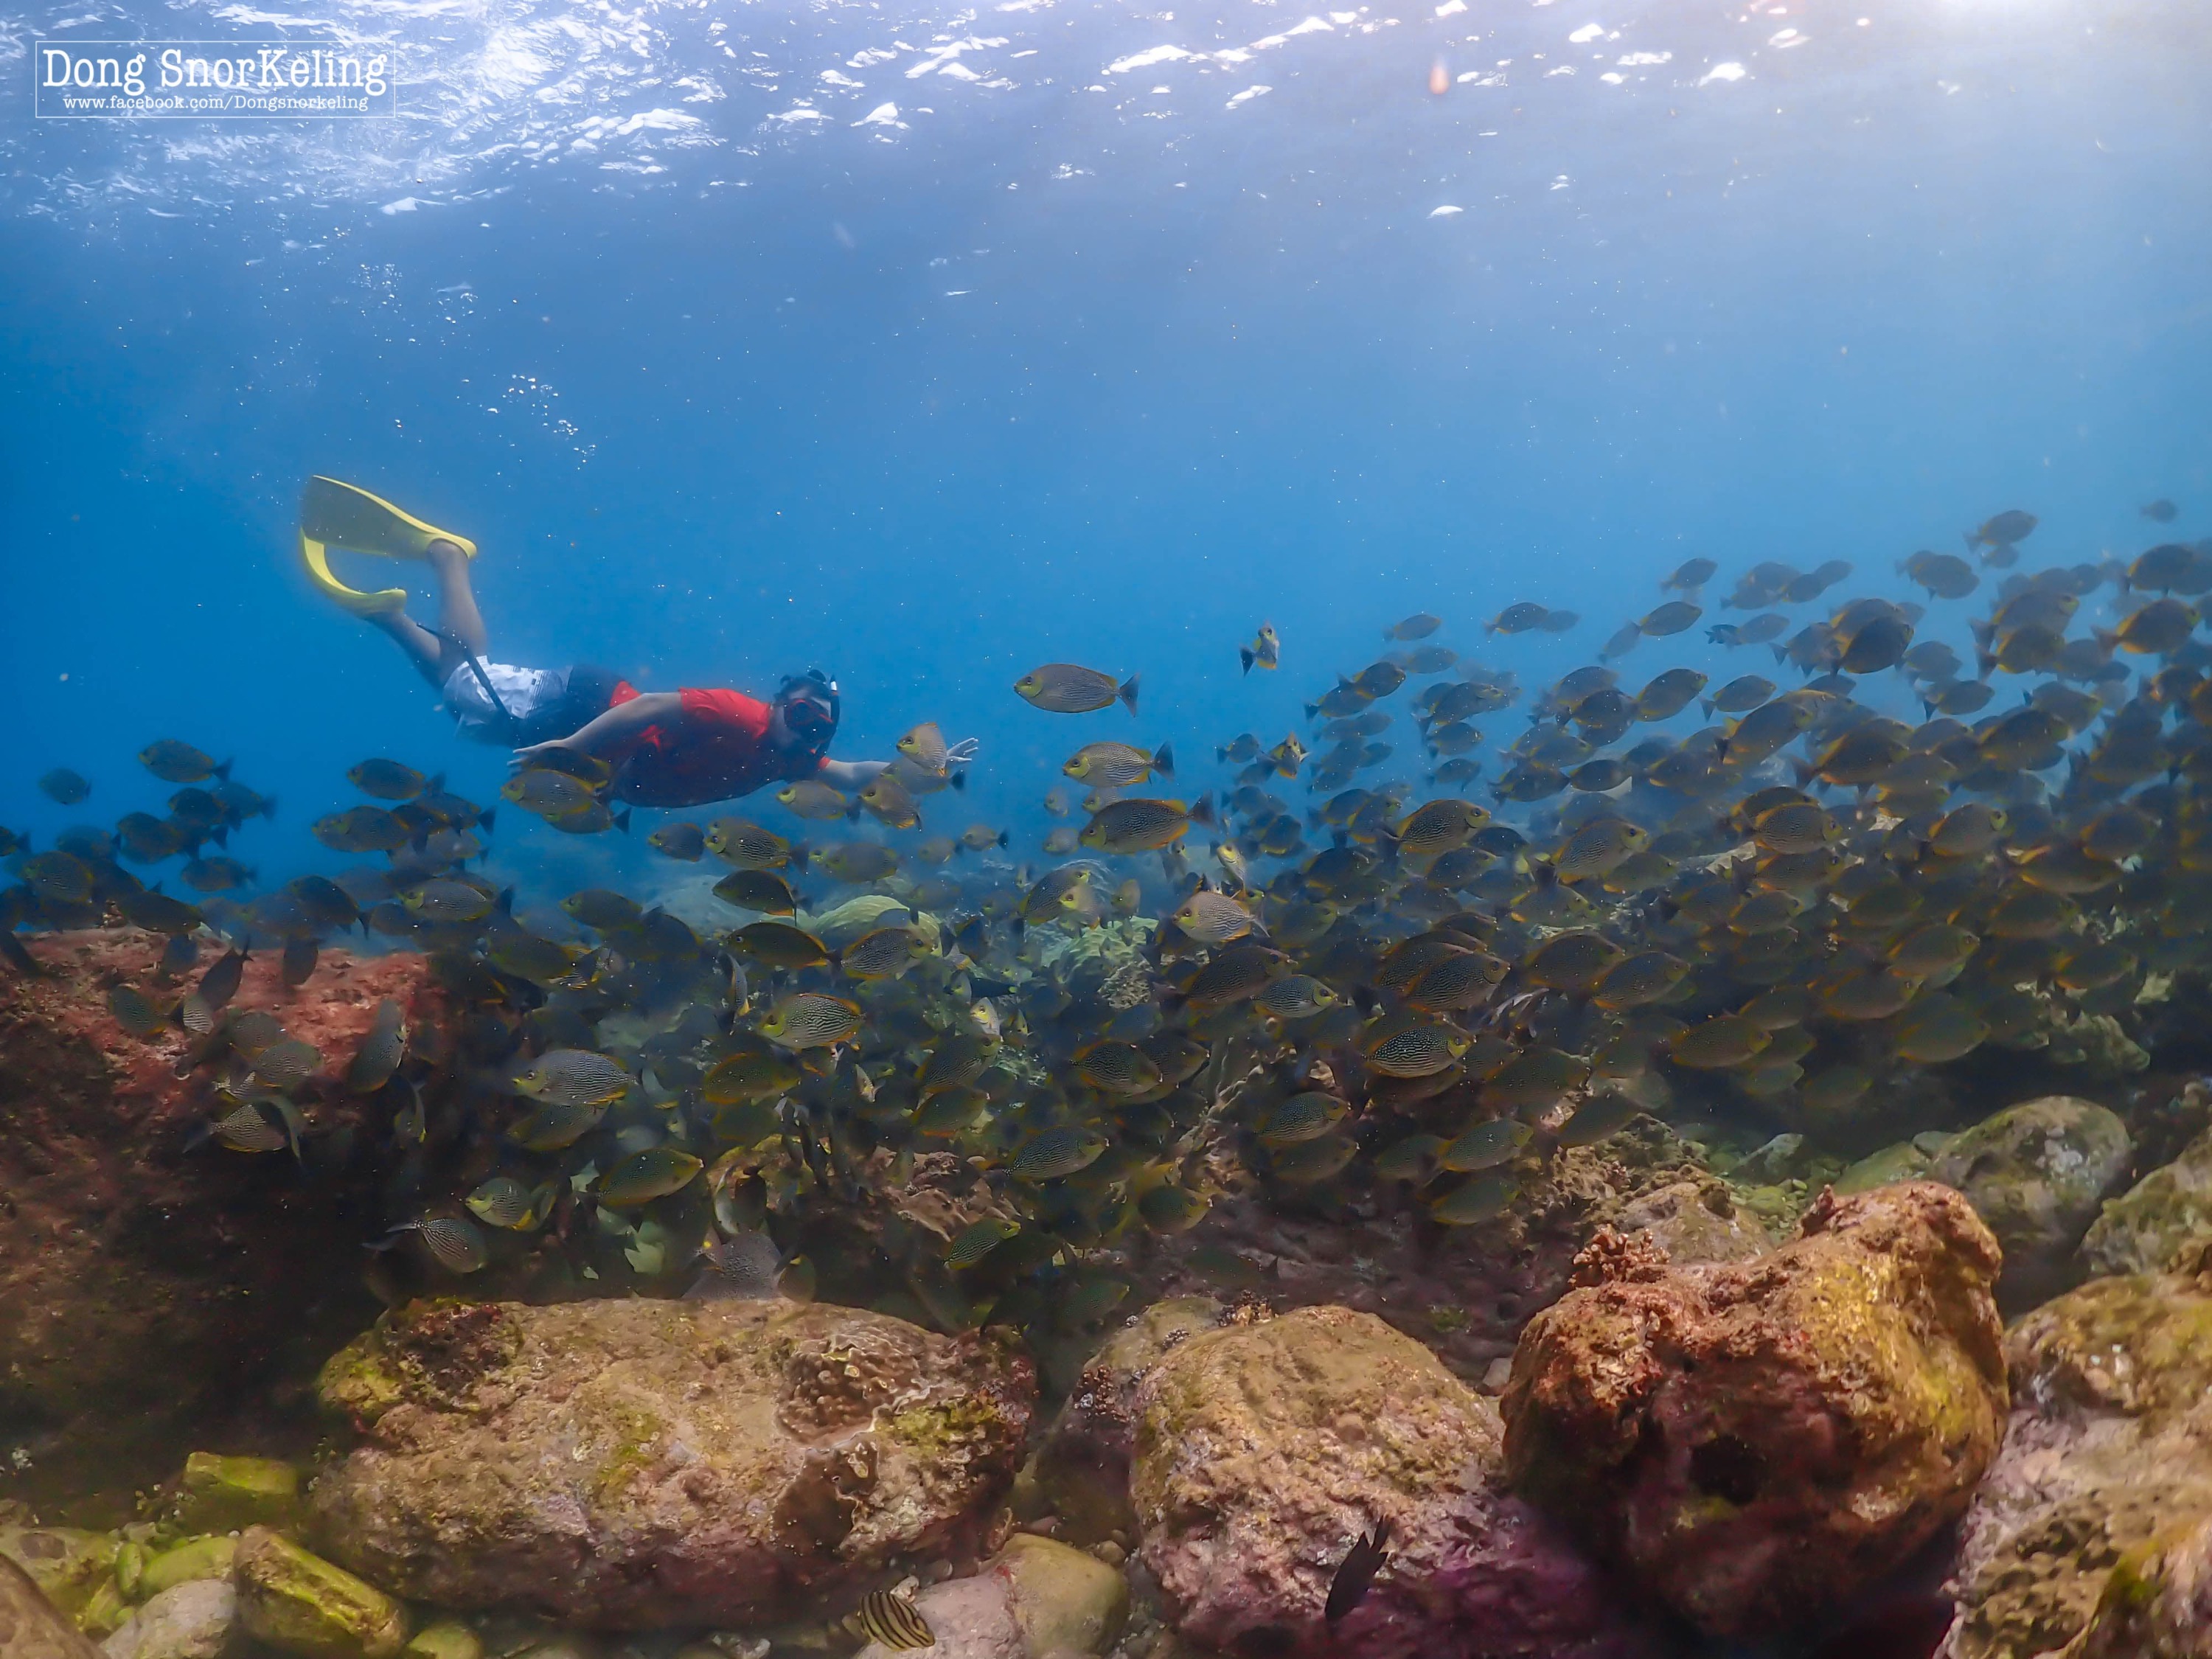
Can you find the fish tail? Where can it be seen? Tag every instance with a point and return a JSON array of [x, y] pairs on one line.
[[958, 780], [1127, 693], [223, 771], [1163, 760], [1248, 657]]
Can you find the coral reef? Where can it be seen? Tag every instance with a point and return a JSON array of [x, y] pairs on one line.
[[147, 1285], [1755, 1441]]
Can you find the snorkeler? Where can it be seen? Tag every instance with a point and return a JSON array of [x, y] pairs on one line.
[[669, 749]]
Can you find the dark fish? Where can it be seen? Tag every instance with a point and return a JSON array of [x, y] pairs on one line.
[[64, 786], [387, 780], [2160, 511], [380, 1051], [179, 763], [1418, 626], [1355, 1574], [684, 841]]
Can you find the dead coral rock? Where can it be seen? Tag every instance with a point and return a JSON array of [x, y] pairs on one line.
[[1755, 1441], [1083, 1467], [642, 1464], [1264, 1450], [2092, 1518], [2145, 1228], [146, 1288]]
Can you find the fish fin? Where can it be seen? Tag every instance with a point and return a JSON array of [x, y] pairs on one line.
[[1163, 760], [1246, 655], [1127, 693], [957, 779], [223, 771], [484, 819], [1313, 712], [622, 820]]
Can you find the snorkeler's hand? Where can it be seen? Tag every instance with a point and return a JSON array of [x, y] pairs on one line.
[[961, 753], [537, 753]]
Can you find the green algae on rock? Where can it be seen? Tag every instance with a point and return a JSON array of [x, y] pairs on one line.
[[2036, 1172], [294, 1600], [194, 1620], [645, 1464], [2146, 1228], [68, 1563], [2105, 1468], [1754, 1443], [449, 1639], [227, 1494], [211, 1556]]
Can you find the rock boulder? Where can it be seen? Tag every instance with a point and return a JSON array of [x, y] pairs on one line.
[[2143, 1229], [31, 1627], [2090, 1526], [641, 1464], [2036, 1173], [1755, 1441], [1265, 1448]]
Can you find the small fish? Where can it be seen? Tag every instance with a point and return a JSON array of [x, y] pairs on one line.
[[886, 953], [361, 830], [758, 890], [890, 803], [743, 844], [454, 1244], [857, 862], [1691, 574], [649, 1173], [1141, 824], [501, 1202], [925, 747], [1116, 1067], [811, 1019], [1054, 1153], [215, 875], [136, 1012], [1355, 1574], [555, 1126], [1483, 1199], [179, 763], [1264, 652], [1675, 616], [1302, 1117], [1061, 687], [1117, 765], [387, 780], [2003, 532], [742, 1267], [977, 1240], [249, 1128], [300, 956], [1211, 918], [2160, 511], [64, 786], [811, 798], [683, 841], [893, 1621], [445, 901], [574, 1076], [1419, 626]]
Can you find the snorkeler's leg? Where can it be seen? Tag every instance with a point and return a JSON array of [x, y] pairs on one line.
[[434, 659], [457, 601]]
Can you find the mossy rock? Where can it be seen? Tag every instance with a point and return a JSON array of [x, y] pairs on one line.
[[228, 1494], [2143, 1229], [448, 1639], [295, 1600], [1903, 1162], [1064, 1600], [210, 1556], [67, 1564], [2036, 1173]]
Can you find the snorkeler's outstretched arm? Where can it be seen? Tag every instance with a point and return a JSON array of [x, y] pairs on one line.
[[849, 775], [610, 733]]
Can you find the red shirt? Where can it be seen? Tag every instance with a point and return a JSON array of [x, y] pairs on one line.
[[719, 751]]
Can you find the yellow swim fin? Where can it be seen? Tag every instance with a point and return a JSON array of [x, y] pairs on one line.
[[344, 515], [333, 514]]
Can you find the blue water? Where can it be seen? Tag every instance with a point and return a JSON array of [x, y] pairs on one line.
[[1056, 364]]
